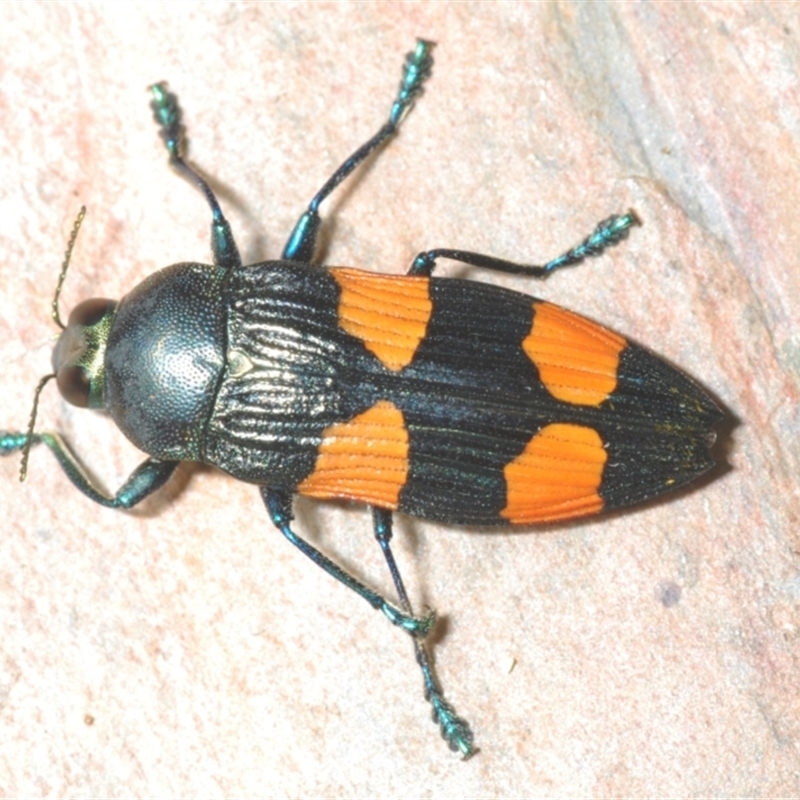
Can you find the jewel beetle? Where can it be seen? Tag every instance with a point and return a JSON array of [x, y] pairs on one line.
[[452, 400]]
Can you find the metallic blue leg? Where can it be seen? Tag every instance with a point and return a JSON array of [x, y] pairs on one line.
[[609, 232], [279, 506], [167, 114], [416, 71], [149, 476], [455, 730]]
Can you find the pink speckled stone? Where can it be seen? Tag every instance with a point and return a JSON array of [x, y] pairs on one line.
[[654, 653]]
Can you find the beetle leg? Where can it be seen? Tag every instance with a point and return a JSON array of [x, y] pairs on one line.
[[455, 730], [167, 114], [416, 71], [279, 506], [149, 476], [609, 232]]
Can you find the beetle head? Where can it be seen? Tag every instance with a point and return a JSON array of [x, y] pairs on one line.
[[79, 354]]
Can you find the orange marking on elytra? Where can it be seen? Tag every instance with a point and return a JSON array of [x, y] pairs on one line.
[[389, 313], [577, 359], [365, 459], [556, 477]]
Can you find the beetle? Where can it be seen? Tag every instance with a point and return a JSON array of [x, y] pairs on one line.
[[451, 400]]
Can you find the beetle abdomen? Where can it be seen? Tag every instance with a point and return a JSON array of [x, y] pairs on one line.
[[448, 399]]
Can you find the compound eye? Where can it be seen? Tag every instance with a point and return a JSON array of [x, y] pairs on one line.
[[73, 382], [89, 312]]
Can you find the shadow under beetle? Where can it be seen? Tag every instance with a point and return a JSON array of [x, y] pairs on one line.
[[447, 399]]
